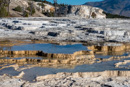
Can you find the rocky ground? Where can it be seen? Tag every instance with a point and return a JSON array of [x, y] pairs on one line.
[[65, 29], [108, 79]]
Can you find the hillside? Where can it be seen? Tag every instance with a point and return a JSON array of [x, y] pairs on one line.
[[17, 7], [120, 7], [36, 8]]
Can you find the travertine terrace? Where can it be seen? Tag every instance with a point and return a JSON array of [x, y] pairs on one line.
[[65, 29], [99, 36]]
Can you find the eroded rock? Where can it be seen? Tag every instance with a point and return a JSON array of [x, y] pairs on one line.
[[86, 11]]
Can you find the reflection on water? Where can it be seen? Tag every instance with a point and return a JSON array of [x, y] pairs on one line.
[[31, 73], [43, 66], [10, 71], [50, 48]]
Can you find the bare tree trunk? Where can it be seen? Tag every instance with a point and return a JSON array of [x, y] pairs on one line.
[[66, 9], [43, 5], [90, 12], [23, 11], [31, 8], [9, 1], [55, 4]]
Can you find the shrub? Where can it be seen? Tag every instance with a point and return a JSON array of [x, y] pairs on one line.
[[31, 9], [93, 15], [41, 4], [26, 14], [3, 12], [18, 8]]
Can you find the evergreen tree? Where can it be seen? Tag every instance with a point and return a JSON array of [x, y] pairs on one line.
[[4, 4]]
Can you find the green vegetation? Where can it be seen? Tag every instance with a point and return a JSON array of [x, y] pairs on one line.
[[26, 14], [31, 9], [41, 4], [108, 15], [47, 2], [3, 12], [18, 8], [63, 4], [4, 8], [31, 12]]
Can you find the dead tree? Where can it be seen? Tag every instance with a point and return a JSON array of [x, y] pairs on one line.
[[31, 8], [55, 4], [9, 1], [23, 10], [66, 10]]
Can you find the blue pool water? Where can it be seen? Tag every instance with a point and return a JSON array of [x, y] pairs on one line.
[[31, 73], [50, 48]]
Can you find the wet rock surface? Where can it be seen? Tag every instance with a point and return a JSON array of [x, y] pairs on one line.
[[124, 64]]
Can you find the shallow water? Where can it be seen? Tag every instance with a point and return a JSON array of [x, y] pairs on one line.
[[33, 72], [50, 48], [109, 55]]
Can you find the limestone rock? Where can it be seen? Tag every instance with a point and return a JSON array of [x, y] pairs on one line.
[[86, 11], [125, 64], [71, 80]]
